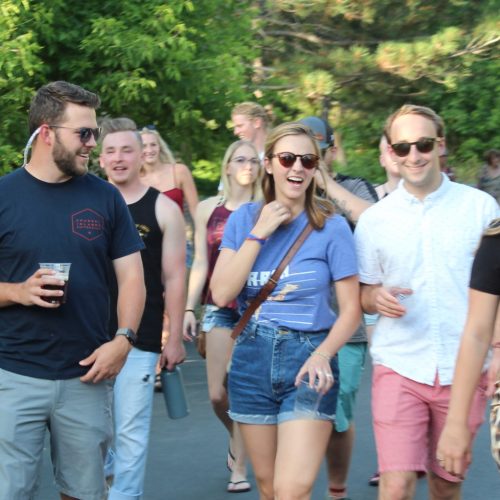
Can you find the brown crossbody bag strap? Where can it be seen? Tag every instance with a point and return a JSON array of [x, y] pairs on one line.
[[271, 283]]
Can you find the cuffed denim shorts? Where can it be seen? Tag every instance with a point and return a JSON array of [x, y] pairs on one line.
[[218, 317], [261, 379]]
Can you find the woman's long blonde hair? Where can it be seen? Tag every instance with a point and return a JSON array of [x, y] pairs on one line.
[[317, 209], [166, 156]]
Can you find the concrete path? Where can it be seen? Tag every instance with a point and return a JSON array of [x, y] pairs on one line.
[[187, 457]]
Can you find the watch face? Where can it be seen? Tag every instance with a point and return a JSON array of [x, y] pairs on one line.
[[129, 333]]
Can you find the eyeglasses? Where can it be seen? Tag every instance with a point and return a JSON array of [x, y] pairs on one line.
[[424, 145], [242, 160], [85, 133], [287, 160]]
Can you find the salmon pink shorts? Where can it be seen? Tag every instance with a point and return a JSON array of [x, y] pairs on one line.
[[408, 418]]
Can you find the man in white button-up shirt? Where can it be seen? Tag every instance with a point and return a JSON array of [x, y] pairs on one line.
[[415, 250]]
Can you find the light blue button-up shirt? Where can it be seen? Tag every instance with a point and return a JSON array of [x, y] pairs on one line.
[[428, 245]]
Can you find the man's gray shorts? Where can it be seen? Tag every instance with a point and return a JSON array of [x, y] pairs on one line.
[[78, 417]]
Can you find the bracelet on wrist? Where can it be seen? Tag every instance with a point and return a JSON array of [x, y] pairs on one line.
[[189, 311], [324, 355], [252, 237], [496, 345]]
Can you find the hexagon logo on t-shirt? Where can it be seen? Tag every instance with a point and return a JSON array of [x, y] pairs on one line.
[[87, 224]]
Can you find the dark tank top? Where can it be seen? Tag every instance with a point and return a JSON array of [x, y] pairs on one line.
[[215, 229], [150, 329]]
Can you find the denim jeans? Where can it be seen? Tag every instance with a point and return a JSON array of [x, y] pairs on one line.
[[261, 379], [132, 410]]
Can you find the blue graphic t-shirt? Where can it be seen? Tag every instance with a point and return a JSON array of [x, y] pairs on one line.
[[302, 298]]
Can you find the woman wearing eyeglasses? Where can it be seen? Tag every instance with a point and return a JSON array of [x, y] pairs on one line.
[[482, 330], [294, 334], [240, 173]]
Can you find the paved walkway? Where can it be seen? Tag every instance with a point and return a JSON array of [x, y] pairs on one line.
[[187, 456]]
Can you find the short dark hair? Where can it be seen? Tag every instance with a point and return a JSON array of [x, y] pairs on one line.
[[490, 154], [49, 103]]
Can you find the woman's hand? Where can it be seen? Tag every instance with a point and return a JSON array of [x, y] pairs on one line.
[[189, 326], [271, 217], [320, 176], [317, 367], [454, 449]]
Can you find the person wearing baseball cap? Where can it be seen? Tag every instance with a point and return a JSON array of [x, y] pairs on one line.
[[351, 196]]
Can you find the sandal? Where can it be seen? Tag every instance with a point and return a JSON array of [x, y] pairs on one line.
[[238, 486], [158, 387]]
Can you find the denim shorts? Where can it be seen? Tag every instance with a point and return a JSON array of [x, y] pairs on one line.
[[261, 379], [218, 317]]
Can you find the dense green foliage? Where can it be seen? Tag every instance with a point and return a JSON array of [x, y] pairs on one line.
[[356, 61], [180, 65], [183, 64]]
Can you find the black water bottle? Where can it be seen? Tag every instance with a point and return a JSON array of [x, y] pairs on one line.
[[173, 392]]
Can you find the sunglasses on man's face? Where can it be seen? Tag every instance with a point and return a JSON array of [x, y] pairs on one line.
[[424, 145], [85, 133], [287, 160]]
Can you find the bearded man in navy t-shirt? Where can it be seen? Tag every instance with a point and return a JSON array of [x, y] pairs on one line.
[[57, 360]]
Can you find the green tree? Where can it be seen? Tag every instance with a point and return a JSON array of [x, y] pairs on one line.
[[180, 65], [19, 62], [352, 62]]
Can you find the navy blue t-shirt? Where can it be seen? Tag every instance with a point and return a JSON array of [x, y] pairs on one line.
[[84, 221]]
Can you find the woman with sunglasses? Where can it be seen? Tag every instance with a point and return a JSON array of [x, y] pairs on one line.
[[482, 331], [240, 175], [294, 334]]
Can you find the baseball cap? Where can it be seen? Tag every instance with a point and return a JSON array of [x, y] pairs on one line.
[[323, 133]]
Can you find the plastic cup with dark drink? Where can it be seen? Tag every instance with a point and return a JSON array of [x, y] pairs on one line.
[[61, 273]]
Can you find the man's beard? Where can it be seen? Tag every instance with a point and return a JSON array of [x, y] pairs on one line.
[[66, 160]]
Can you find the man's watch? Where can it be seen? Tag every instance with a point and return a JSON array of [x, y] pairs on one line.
[[128, 333]]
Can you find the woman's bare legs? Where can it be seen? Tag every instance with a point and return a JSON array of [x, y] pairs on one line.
[[260, 444], [219, 348], [286, 458], [301, 448]]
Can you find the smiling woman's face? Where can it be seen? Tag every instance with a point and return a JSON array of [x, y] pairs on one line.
[[291, 183]]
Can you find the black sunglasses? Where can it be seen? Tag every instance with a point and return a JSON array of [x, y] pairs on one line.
[[85, 133], [287, 160], [424, 145]]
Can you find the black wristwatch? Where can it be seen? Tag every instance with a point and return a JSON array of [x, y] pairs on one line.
[[128, 333]]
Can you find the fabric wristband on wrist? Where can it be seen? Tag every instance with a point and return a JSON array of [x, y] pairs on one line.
[[252, 237]]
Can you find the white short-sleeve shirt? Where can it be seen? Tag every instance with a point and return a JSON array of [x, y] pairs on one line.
[[429, 245]]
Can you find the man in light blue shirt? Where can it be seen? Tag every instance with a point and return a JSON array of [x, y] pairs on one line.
[[415, 251]]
